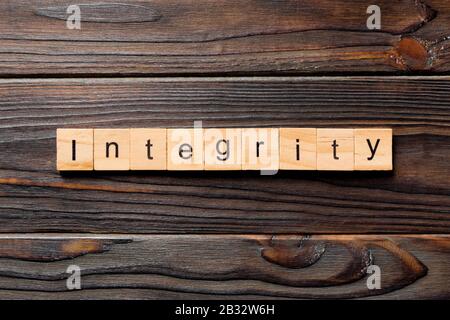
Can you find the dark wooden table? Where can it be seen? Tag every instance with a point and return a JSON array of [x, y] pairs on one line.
[[230, 63]]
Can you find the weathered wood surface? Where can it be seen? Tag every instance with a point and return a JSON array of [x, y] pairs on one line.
[[224, 36], [414, 198], [224, 266]]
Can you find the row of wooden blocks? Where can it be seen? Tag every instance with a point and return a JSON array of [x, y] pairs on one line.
[[224, 149]]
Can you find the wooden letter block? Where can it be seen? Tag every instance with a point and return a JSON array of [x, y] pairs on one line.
[[373, 149], [185, 149], [298, 149], [111, 149], [148, 149], [260, 149], [335, 149], [75, 149], [223, 149]]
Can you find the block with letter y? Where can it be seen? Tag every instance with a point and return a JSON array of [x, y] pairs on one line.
[[373, 149]]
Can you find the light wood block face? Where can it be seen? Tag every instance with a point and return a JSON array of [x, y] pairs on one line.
[[74, 149], [260, 149], [373, 149], [185, 149], [298, 149], [223, 149], [335, 149], [111, 149], [148, 149]]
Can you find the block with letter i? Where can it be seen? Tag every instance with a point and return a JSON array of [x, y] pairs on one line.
[[298, 149], [373, 149], [74, 149], [185, 149], [260, 149], [335, 149], [111, 149], [222, 149], [148, 149]]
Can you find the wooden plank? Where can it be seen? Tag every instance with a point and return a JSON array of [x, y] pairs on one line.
[[414, 198], [223, 36], [239, 266]]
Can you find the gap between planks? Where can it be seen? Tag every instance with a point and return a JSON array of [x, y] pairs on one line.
[[145, 236], [215, 78]]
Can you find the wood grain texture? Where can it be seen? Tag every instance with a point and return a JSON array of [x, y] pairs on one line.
[[223, 36], [240, 266], [414, 198], [103, 12]]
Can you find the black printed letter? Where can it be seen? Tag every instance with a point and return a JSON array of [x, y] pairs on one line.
[[335, 145], [149, 146], [185, 147], [372, 150], [223, 153], [257, 147], [74, 150], [116, 146]]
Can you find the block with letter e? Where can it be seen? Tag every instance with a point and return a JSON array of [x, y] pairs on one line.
[[185, 149]]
